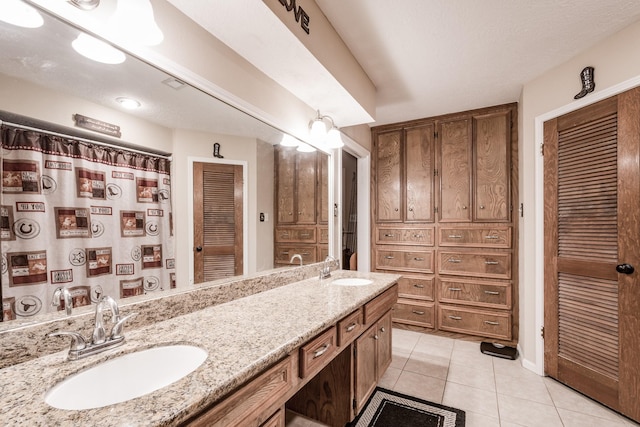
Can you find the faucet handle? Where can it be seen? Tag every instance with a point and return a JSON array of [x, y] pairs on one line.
[[77, 341], [118, 328]]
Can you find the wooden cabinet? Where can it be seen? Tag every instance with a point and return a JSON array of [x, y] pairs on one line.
[[372, 357], [301, 205], [444, 190]]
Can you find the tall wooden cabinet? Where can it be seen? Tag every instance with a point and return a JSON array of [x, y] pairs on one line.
[[444, 192], [301, 208]]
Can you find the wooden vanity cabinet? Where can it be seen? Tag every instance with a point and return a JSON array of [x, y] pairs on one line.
[[462, 255]]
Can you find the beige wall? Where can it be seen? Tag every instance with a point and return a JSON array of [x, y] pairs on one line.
[[616, 62]]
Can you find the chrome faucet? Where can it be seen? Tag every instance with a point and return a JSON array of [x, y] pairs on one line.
[[62, 292], [99, 340], [325, 271], [298, 256]]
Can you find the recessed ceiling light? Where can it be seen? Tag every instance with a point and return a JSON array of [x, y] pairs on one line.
[[128, 103], [16, 12]]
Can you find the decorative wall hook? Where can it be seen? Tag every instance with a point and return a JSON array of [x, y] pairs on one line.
[[216, 151], [588, 82]]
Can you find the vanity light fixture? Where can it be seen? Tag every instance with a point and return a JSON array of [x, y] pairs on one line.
[[128, 103], [85, 4], [134, 20], [17, 12], [289, 141], [97, 50], [305, 148], [321, 136]]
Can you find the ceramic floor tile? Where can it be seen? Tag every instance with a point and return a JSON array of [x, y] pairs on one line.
[[390, 378], [577, 419], [509, 367], [478, 420], [467, 346], [530, 387], [527, 413], [405, 340], [420, 386], [566, 398], [471, 399], [440, 348], [472, 376], [427, 364], [398, 360], [477, 359]]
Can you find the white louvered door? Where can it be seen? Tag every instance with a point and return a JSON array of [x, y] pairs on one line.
[[217, 217], [592, 236]]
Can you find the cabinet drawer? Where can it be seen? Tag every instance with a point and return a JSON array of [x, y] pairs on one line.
[[495, 237], [285, 252], [475, 322], [496, 265], [414, 312], [374, 309], [317, 352], [404, 260], [300, 235], [486, 294], [349, 328], [405, 236], [416, 287]]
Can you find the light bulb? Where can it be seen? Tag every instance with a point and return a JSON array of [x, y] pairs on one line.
[[133, 21], [16, 12], [334, 139], [318, 131], [289, 141], [97, 50], [305, 148]]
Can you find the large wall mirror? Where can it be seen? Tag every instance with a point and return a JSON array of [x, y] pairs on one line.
[[43, 78]]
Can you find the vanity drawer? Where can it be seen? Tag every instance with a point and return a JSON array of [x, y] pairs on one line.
[[285, 252], [374, 309], [318, 352], [405, 236], [494, 237], [404, 260], [349, 328], [416, 287], [485, 294], [299, 235], [475, 322], [495, 264], [412, 312]]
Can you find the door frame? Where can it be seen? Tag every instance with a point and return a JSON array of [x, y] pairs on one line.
[[538, 366], [245, 209]]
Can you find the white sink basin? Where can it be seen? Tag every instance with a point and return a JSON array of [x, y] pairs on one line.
[[352, 281], [126, 377]]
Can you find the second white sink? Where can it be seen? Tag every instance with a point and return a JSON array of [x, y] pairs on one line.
[[352, 281], [126, 377]]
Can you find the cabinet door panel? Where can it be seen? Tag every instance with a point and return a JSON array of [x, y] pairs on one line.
[[492, 167], [285, 188], [419, 167], [306, 191], [388, 177], [384, 344], [365, 367], [455, 170]]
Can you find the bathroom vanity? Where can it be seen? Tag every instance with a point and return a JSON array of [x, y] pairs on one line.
[[315, 347]]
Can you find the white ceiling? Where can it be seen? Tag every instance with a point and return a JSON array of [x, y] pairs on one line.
[[425, 57]]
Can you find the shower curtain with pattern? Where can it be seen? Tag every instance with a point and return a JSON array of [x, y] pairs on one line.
[[94, 219]]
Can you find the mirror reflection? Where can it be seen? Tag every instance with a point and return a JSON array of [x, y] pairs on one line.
[[282, 207]]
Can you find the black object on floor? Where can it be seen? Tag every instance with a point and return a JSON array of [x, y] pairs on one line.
[[499, 350], [387, 408]]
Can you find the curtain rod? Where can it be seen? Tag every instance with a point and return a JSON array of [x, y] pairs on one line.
[[88, 140]]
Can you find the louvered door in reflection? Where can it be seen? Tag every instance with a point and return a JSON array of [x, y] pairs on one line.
[[218, 251], [591, 227]]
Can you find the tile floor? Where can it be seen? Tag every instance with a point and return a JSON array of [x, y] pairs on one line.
[[493, 391]]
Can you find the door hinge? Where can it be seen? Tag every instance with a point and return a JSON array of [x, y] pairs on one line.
[[435, 134], [542, 332], [435, 172], [542, 149], [435, 209]]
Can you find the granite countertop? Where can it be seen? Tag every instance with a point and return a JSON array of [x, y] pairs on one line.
[[242, 337]]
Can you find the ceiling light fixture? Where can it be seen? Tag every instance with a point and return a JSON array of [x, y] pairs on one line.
[[133, 20], [319, 134], [128, 103], [97, 50], [17, 12]]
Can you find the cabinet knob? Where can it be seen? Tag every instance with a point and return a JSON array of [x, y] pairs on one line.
[[375, 337], [410, 209], [481, 206], [464, 208], [382, 329], [397, 209]]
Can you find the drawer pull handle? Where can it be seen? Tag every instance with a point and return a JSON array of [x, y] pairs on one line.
[[491, 237], [418, 259], [389, 235], [492, 292], [389, 257], [284, 235], [455, 236], [454, 260], [419, 313], [321, 351], [487, 322], [455, 289], [304, 234], [415, 285], [285, 253], [418, 236], [455, 317], [305, 254], [491, 262], [351, 327]]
